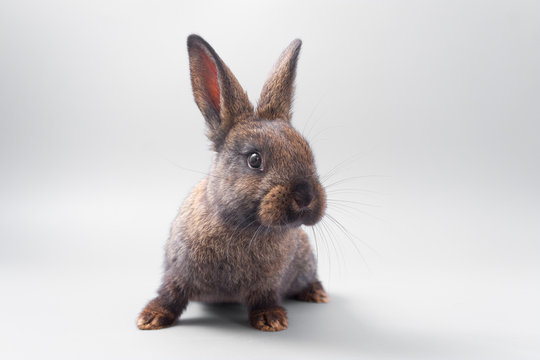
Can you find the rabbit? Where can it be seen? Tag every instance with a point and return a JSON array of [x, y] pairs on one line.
[[238, 236]]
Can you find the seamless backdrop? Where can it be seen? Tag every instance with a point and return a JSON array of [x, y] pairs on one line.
[[424, 120]]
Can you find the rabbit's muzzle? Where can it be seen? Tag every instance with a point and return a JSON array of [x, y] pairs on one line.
[[294, 204]]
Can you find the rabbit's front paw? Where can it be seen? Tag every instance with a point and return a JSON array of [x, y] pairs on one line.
[[273, 319], [153, 319]]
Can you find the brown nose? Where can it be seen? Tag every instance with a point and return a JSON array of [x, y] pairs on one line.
[[303, 194]]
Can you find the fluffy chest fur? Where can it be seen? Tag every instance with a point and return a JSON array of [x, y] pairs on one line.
[[224, 262]]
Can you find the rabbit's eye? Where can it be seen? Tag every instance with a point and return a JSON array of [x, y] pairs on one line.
[[254, 161]]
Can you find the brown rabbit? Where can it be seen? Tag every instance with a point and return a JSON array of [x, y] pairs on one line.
[[237, 237]]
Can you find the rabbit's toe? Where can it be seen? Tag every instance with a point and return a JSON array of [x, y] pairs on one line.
[[274, 319]]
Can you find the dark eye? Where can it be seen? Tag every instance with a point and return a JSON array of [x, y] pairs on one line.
[[254, 160]]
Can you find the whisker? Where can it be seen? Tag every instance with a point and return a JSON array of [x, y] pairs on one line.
[[310, 117], [325, 225], [325, 242], [352, 191], [316, 245], [342, 163], [325, 229], [313, 139], [254, 236], [353, 178], [346, 231], [351, 202], [192, 170], [343, 207], [348, 236], [235, 231]]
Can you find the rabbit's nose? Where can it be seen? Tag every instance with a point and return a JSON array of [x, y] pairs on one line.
[[303, 194]]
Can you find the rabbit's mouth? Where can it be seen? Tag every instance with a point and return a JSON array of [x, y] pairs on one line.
[[302, 217], [296, 205]]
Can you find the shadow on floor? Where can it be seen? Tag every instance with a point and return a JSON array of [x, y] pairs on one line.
[[339, 326]]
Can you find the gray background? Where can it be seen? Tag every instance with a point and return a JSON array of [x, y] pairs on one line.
[[432, 107]]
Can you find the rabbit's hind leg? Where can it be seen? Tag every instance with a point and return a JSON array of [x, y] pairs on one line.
[[306, 286], [314, 292]]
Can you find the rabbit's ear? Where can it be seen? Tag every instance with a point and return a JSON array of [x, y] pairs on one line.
[[217, 93], [277, 94]]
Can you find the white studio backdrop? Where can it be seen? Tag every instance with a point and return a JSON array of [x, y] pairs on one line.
[[429, 110]]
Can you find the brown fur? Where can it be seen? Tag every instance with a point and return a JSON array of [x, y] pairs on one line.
[[313, 293], [277, 94], [234, 105], [237, 237], [272, 319], [155, 318]]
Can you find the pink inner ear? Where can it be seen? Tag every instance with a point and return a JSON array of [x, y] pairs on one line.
[[210, 79]]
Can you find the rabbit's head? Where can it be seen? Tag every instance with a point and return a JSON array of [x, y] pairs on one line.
[[263, 172]]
